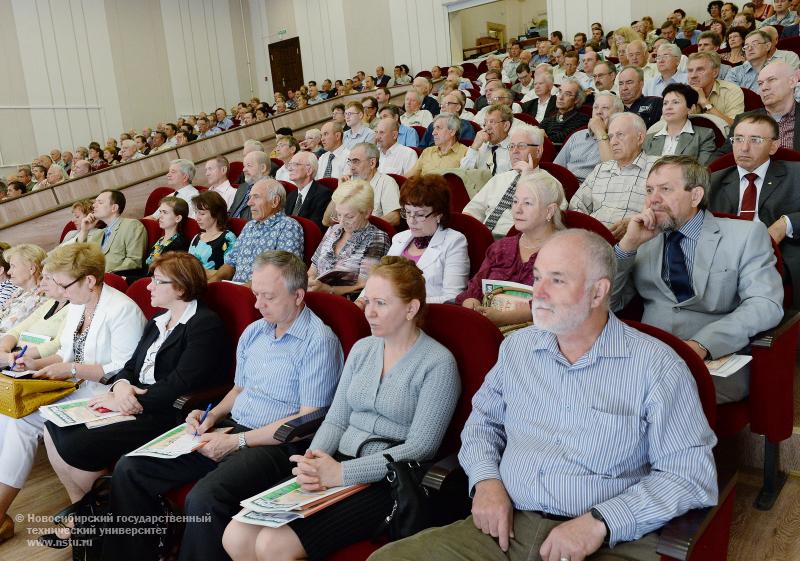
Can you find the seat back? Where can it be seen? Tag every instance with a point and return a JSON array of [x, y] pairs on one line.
[[153, 231], [115, 281], [459, 198], [548, 150], [68, 227], [420, 130], [330, 182], [139, 293], [154, 198], [191, 229], [575, 219], [311, 238], [288, 186], [381, 224], [234, 171], [479, 238], [343, 317], [424, 74], [235, 304], [700, 121], [277, 162], [236, 225], [751, 100], [475, 356], [475, 126], [568, 180], [525, 118], [705, 387]]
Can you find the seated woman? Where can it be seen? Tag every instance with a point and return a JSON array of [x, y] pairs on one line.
[[537, 216], [100, 333], [25, 271], [96, 160], [44, 324], [7, 286], [735, 41], [79, 211], [674, 134], [351, 247], [399, 386], [440, 252], [214, 242], [180, 351]]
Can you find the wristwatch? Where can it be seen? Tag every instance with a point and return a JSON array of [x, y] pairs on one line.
[[242, 441], [707, 107], [73, 371], [597, 515], [699, 344], [602, 138]]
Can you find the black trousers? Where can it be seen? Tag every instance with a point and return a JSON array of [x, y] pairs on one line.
[[139, 482]]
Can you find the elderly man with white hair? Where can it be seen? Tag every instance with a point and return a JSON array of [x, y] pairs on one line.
[[414, 114], [492, 204], [615, 190], [540, 101], [424, 86], [312, 142], [667, 58], [180, 176], [128, 152], [311, 198]]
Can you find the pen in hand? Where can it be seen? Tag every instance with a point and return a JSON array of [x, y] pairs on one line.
[[19, 356], [203, 418]]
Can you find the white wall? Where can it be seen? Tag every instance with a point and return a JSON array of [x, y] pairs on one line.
[[421, 33], [323, 38]]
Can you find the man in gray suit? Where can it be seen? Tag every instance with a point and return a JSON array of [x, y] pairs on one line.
[[762, 189], [710, 281], [256, 167]]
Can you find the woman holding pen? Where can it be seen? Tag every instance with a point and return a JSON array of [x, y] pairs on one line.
[[180, 351]]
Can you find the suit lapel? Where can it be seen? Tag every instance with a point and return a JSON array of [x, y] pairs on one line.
[[772, 180], [657, 144], [114, 232], [684, 140], [433, 250], [704, 255], [729, 191]]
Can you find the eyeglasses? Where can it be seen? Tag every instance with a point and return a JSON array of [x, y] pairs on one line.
[[415, 216], [350, 114], [66, 286], [753, 44], [521, 146], [757, 140], [292, 165], [159, 282]]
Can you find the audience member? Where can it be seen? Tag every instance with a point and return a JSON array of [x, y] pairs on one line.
[[312, 141], [179, 177], [783, 14], [718, 98], [25, 176], [541, 101], [667, 60], [333, 161], [286, 147], [217, 176], [722, 310], [255, 167], [80, 210], [489, 149], [381, 79], [25, 272], [406, 135], [424, 86], [414, 114], [364, 162], [223, 122], [123, 241], [214, 241], [735, 41], [605, 77], [394, 157], [446, 153], [15, 189], [566, 119], [357, 131], [311, 197], [453, 103], [756, 48], [631, 84]]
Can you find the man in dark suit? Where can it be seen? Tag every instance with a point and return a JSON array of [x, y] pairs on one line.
[[256, 166], [762, 189], [424, 86], [543, 102], [670, 32], [311, 198]]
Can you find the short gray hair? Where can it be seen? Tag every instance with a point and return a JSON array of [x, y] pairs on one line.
[[639, 71], [311, 160], [254, 144], [186, 166], [694, 174], [580, 94], [534, 134], [637, 122], [452, 121], [274, 189], [673, 49], [616, 102], [370, 150], [598, 255], [293, 270]]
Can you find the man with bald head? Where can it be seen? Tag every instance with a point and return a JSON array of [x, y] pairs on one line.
[[79, 169], [636, 51], [256, 166], [394, 157], [424, 86], [615, 189], [311, 198], [631, 85]]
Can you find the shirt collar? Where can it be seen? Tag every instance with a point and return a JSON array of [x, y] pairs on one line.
[[694, 226], [640, 161], [162, 320], [687, 127], [610, 342], [272, 220], [299, 326], [760, 171]]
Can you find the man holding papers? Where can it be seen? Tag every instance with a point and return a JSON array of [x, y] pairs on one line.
[[287, 365]]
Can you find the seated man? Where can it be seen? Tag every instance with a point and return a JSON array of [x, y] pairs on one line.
[[718, 273], [364, 161], [585, 149], [269, 229], [424, 86], [394, 157], [605, 77], [446, 152], [285, 148], [615, 189], [407, 136], [631, 84], [123, 240], [358, 131], [524, 80], [789, 57], [489, 150], [667, 60], [496, 93], [415, 115], [311, 197], [287, 365], [711, 42], [741, 189], [217, 176], [540, 101], [334, 161], [757, 46], [586, 434], [453, 103], [717, 98], [180, 176], [492, 204], [566, 119], [255, 167]]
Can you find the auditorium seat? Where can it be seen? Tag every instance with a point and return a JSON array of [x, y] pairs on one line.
[[700, 121], [420, 130], [115, 281], [343, 317], [288, 186], [234, 171], [479, 238], [548, 150], [311, 238], [528, 119], [277, 162], [236, 225], [154, 198], [330, 182], [568, 180], [381, 224], [139, 293], [475, 126], [424, 74], [459, 198], [68, 227], [190, 229], [153, 232], [751, 100], [575, 219]]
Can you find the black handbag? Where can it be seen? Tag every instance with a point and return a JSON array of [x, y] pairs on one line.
[[411, 509]]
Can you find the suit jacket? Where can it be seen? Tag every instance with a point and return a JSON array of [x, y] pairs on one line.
[[727, 149], [699, 145], [682, 43], [738, 290], [194, 356], [239, 208], [532, 107], [126, 247], [430, 104], [779, 195], [790, 31], [313, 206], [445, 263], [382, 81]]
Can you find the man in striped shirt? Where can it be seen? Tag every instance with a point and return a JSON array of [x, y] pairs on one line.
[[586, 435], [287, 365]]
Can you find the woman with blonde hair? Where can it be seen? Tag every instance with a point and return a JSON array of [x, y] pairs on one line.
[[80, 210], [352, 246], [100, 333], [25, 271], [622, 37]]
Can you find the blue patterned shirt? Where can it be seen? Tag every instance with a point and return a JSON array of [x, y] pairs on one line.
[[212, 254], [276, 232], [407, 136], [621, 430], [278, 376]]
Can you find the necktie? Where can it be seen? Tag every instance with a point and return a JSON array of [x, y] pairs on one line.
[[329, 167], [298, 204], [106, 235], [494, 159], [679, 280], [748, 209], [503, 205]]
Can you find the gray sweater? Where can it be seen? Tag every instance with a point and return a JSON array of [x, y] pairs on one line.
[[412, 403]]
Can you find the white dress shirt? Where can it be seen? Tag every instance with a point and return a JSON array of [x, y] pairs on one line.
[[147, 373], [482, 158], [386, 194], [398, 159], [226, 191], [671, 142], [422, 118], [187, 193], [339, 163], [761, 172]]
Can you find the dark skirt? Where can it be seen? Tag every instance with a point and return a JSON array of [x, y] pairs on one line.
[[351, 520], [97, 449]]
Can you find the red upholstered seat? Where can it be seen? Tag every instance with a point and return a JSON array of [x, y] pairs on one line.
[[751, 100], [191, 229], [575, 219], [548, 150], [568, 181], [288, 186], [153, 231], [68, 227], [236, 225], [525, 118], [719, 138], [154, 198], [459, 198], [277, 162], [234, 171], [115, 281], [382, 224], [479, 238], [311, 238], [139, 293], [345, 318], [420, 130], [330, 182]]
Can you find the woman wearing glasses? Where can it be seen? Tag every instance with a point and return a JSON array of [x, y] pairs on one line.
[[440, 252], [25, 272], [351, 247], [184, 349], [100, 333]]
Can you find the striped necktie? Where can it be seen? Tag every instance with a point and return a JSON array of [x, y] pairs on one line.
[[503, 205]]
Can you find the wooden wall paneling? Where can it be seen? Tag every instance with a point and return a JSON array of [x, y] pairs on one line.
[[26, 205]]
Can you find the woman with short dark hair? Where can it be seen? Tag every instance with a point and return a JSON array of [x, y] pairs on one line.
[[214, 241]]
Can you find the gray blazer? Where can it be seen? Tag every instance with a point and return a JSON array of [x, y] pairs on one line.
[[700, 144], [738, 291]]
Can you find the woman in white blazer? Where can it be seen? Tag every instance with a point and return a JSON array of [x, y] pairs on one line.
[[441, 253], [101, 331]]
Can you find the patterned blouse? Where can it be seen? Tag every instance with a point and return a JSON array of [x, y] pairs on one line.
[[502, 262], [212, 254], [19, 306], [177, 242], [276, 232], [358, 256]]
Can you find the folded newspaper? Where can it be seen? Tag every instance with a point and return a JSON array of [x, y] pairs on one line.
[[75, 412], [172, 444], [287, 501], [726, 365]]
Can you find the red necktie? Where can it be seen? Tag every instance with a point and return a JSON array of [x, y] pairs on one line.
[[748, 209]]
